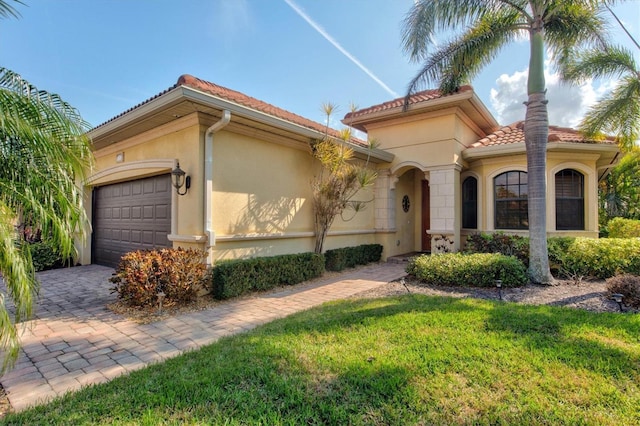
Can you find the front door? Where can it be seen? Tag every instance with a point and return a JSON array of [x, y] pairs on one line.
[[426, 217]]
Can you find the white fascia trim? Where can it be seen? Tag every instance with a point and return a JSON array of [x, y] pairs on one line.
[[261, 117], [492, 151], [176, 94], [136, 113], [520, 148], [387, 113], [595, 147]]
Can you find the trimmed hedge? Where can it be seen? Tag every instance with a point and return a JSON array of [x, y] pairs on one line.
[[619, 227], [499, 242], [468, 270], [604, 257], [518, 246], [348, 257], [232, 278], [45, 256]]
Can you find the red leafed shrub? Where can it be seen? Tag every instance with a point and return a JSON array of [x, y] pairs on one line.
[[142, 274], [628, 285]]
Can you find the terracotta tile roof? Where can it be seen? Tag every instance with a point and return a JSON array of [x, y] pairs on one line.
[[243, 100], [426, 95], [514, 133]]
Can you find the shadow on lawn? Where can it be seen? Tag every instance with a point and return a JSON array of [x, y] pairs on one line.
[[577, 338], [273, 375]]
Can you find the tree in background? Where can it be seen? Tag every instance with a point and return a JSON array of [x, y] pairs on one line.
[[340, 178], [620, 190], [618, 112], [482, 29], [45, 153]]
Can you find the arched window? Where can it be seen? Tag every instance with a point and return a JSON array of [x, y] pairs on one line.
[[569, 200], [511, 204], [470, 203]]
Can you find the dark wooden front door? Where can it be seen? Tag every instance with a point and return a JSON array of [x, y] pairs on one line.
[[426, 217]]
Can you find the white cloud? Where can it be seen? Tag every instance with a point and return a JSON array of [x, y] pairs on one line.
[[567, 103]]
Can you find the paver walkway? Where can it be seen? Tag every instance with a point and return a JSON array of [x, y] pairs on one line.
[[74, 340]]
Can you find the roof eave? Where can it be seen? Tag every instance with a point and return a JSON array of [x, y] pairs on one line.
[[358, 122], [519, 148], [488, 122], [181, 93]]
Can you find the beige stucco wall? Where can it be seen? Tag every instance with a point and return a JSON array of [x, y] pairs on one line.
[[262, 200], [152, 153], [426, 146], [486, 170]]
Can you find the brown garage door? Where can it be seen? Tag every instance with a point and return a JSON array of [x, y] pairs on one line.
[[130, 216]]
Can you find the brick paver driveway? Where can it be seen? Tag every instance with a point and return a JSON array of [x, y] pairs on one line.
[[75, 341]]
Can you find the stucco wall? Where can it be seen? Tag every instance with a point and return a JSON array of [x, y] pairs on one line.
[[262, 200], [486, 170]]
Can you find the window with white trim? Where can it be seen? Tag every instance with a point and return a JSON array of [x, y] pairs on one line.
[[569, 200], [510, 191]]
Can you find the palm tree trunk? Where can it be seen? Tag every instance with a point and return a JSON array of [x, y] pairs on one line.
[[536, 133]]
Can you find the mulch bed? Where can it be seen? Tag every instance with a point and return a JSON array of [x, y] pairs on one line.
[[590, 295]]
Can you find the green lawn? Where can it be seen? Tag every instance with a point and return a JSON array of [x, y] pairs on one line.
[[404, 360]]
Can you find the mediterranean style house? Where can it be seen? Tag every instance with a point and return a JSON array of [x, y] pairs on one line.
[[445, 168]]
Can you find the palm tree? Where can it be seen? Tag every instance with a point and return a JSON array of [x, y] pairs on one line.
[[618, 113], [45, 153], [483, 28]]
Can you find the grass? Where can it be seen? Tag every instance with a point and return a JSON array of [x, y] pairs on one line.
[[404, 360]]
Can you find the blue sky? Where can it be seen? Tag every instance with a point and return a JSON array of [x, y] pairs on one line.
[[105, 56]]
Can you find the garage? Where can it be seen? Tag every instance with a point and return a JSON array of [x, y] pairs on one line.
[[132, 215]]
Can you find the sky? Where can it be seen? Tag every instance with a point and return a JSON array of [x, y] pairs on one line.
[[106, 56]]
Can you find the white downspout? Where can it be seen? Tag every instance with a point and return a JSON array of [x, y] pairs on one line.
[[208, 181]]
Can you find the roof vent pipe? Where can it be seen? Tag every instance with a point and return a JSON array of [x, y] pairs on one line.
[[208, 181]]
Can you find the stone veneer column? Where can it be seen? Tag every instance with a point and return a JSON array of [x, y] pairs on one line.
[[445, 203], [384, 202]]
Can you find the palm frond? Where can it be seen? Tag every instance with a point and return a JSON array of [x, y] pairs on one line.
[[572, 24], [427, 17], [8, 11], [463, 58], [45, 154], [615, 62], [618, 113]]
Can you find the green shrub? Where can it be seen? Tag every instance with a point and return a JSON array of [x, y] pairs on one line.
[[558, 248], [619, 227], [468, 270], [45, 256], [628, 285], [232, 278], [348, 257], [498, 242], [603, 258], [515, 245], [142, 274]]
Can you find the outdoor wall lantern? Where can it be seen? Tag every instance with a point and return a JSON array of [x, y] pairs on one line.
[[617, 297], [499, 287], [180, 180]]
